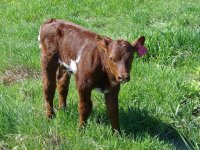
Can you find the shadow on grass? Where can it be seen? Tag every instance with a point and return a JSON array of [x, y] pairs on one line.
[[136, 123]]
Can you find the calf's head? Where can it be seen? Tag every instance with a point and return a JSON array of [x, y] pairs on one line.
[[119, 56]]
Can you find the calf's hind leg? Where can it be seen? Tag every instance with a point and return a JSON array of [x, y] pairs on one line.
[[49, 68], [63, 80]]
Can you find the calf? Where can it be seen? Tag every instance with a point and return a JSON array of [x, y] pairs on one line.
[[97, 62]]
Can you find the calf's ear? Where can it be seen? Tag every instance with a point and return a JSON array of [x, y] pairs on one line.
[[138, 45], [102, 43], [139, 41]]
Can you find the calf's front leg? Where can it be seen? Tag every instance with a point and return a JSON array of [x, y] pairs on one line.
[[111, 100], [84, 106]]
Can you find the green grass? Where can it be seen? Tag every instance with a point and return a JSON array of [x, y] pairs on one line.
[[156, 107]]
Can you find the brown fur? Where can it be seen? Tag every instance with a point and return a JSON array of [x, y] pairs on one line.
[[104, 64]]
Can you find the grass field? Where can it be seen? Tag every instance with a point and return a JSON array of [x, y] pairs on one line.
[[159, 107]]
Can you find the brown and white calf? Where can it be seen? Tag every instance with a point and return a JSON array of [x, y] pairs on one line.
[[96, 61]]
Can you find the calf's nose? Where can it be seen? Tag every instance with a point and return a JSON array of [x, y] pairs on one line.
[[127, 78], [119, 78], [124, 78]]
